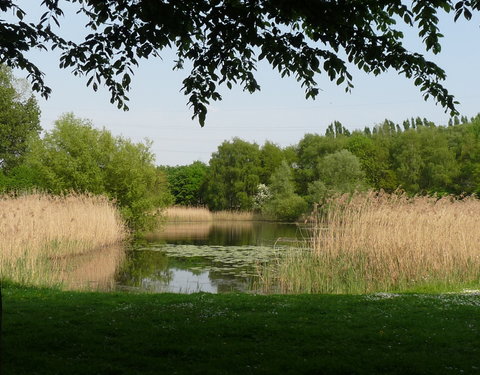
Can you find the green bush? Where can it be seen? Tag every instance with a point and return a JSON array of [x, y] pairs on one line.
[[284, 204], [286, 207], [20, 178]]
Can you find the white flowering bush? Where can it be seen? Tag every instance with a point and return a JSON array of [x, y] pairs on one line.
[[263, 196]]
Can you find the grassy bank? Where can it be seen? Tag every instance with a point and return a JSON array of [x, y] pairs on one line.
[[53, 332], [39, 232], [382, 242]]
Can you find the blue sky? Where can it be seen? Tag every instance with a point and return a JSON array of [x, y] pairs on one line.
[[279, 112]]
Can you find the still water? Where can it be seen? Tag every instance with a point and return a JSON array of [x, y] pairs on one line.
[[210, 257]]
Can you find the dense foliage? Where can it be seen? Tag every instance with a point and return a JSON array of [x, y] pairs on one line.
[[223, 41], [339, 172], [19, 119], [283, 204], [233, 176], [76, 156], [185, 183], [417, 156]]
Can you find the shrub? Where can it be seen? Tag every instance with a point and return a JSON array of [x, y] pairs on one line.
[[286, 207], [283, 204]]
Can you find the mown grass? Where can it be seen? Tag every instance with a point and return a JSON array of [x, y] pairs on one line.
[[46, 239], [53, 332], [385, 242]]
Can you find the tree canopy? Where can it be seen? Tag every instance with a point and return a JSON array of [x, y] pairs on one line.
[[233, 176], [185, 183], [223, 40], [75, 156], [19, 119]]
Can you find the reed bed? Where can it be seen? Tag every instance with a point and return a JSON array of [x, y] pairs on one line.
[[235, 216], [384, 242], [40, 231], [196, 214], [188, 214]]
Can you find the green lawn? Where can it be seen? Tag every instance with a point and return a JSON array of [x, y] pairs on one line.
[[52, 332]]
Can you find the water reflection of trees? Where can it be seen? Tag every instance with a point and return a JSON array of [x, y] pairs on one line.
[[226, 283], [142, 265]]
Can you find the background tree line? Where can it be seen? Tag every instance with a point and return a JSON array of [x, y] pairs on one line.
[[417, 156]]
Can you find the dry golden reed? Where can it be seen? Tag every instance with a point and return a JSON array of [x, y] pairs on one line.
[[39, 231], [187, 214], [383, 242], [235, 216], [194, 214]]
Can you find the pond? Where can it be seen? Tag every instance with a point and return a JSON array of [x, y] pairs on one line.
[[213, 257]]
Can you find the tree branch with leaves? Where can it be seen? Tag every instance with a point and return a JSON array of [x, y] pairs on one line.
[[224, 40]]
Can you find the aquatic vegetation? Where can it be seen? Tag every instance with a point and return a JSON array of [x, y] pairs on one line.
[[212, 257], [193, 268], [234, 260], [375, 242], [236, 216]]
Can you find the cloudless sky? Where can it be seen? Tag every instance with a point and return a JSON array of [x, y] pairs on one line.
[[279, 112]]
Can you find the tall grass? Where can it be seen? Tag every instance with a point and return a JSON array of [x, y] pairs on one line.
[[195, 214], [382, 242], [38, 232], [236, 216], [188, 214]]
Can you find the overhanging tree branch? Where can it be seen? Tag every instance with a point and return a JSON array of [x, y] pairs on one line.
[[225, 39]]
